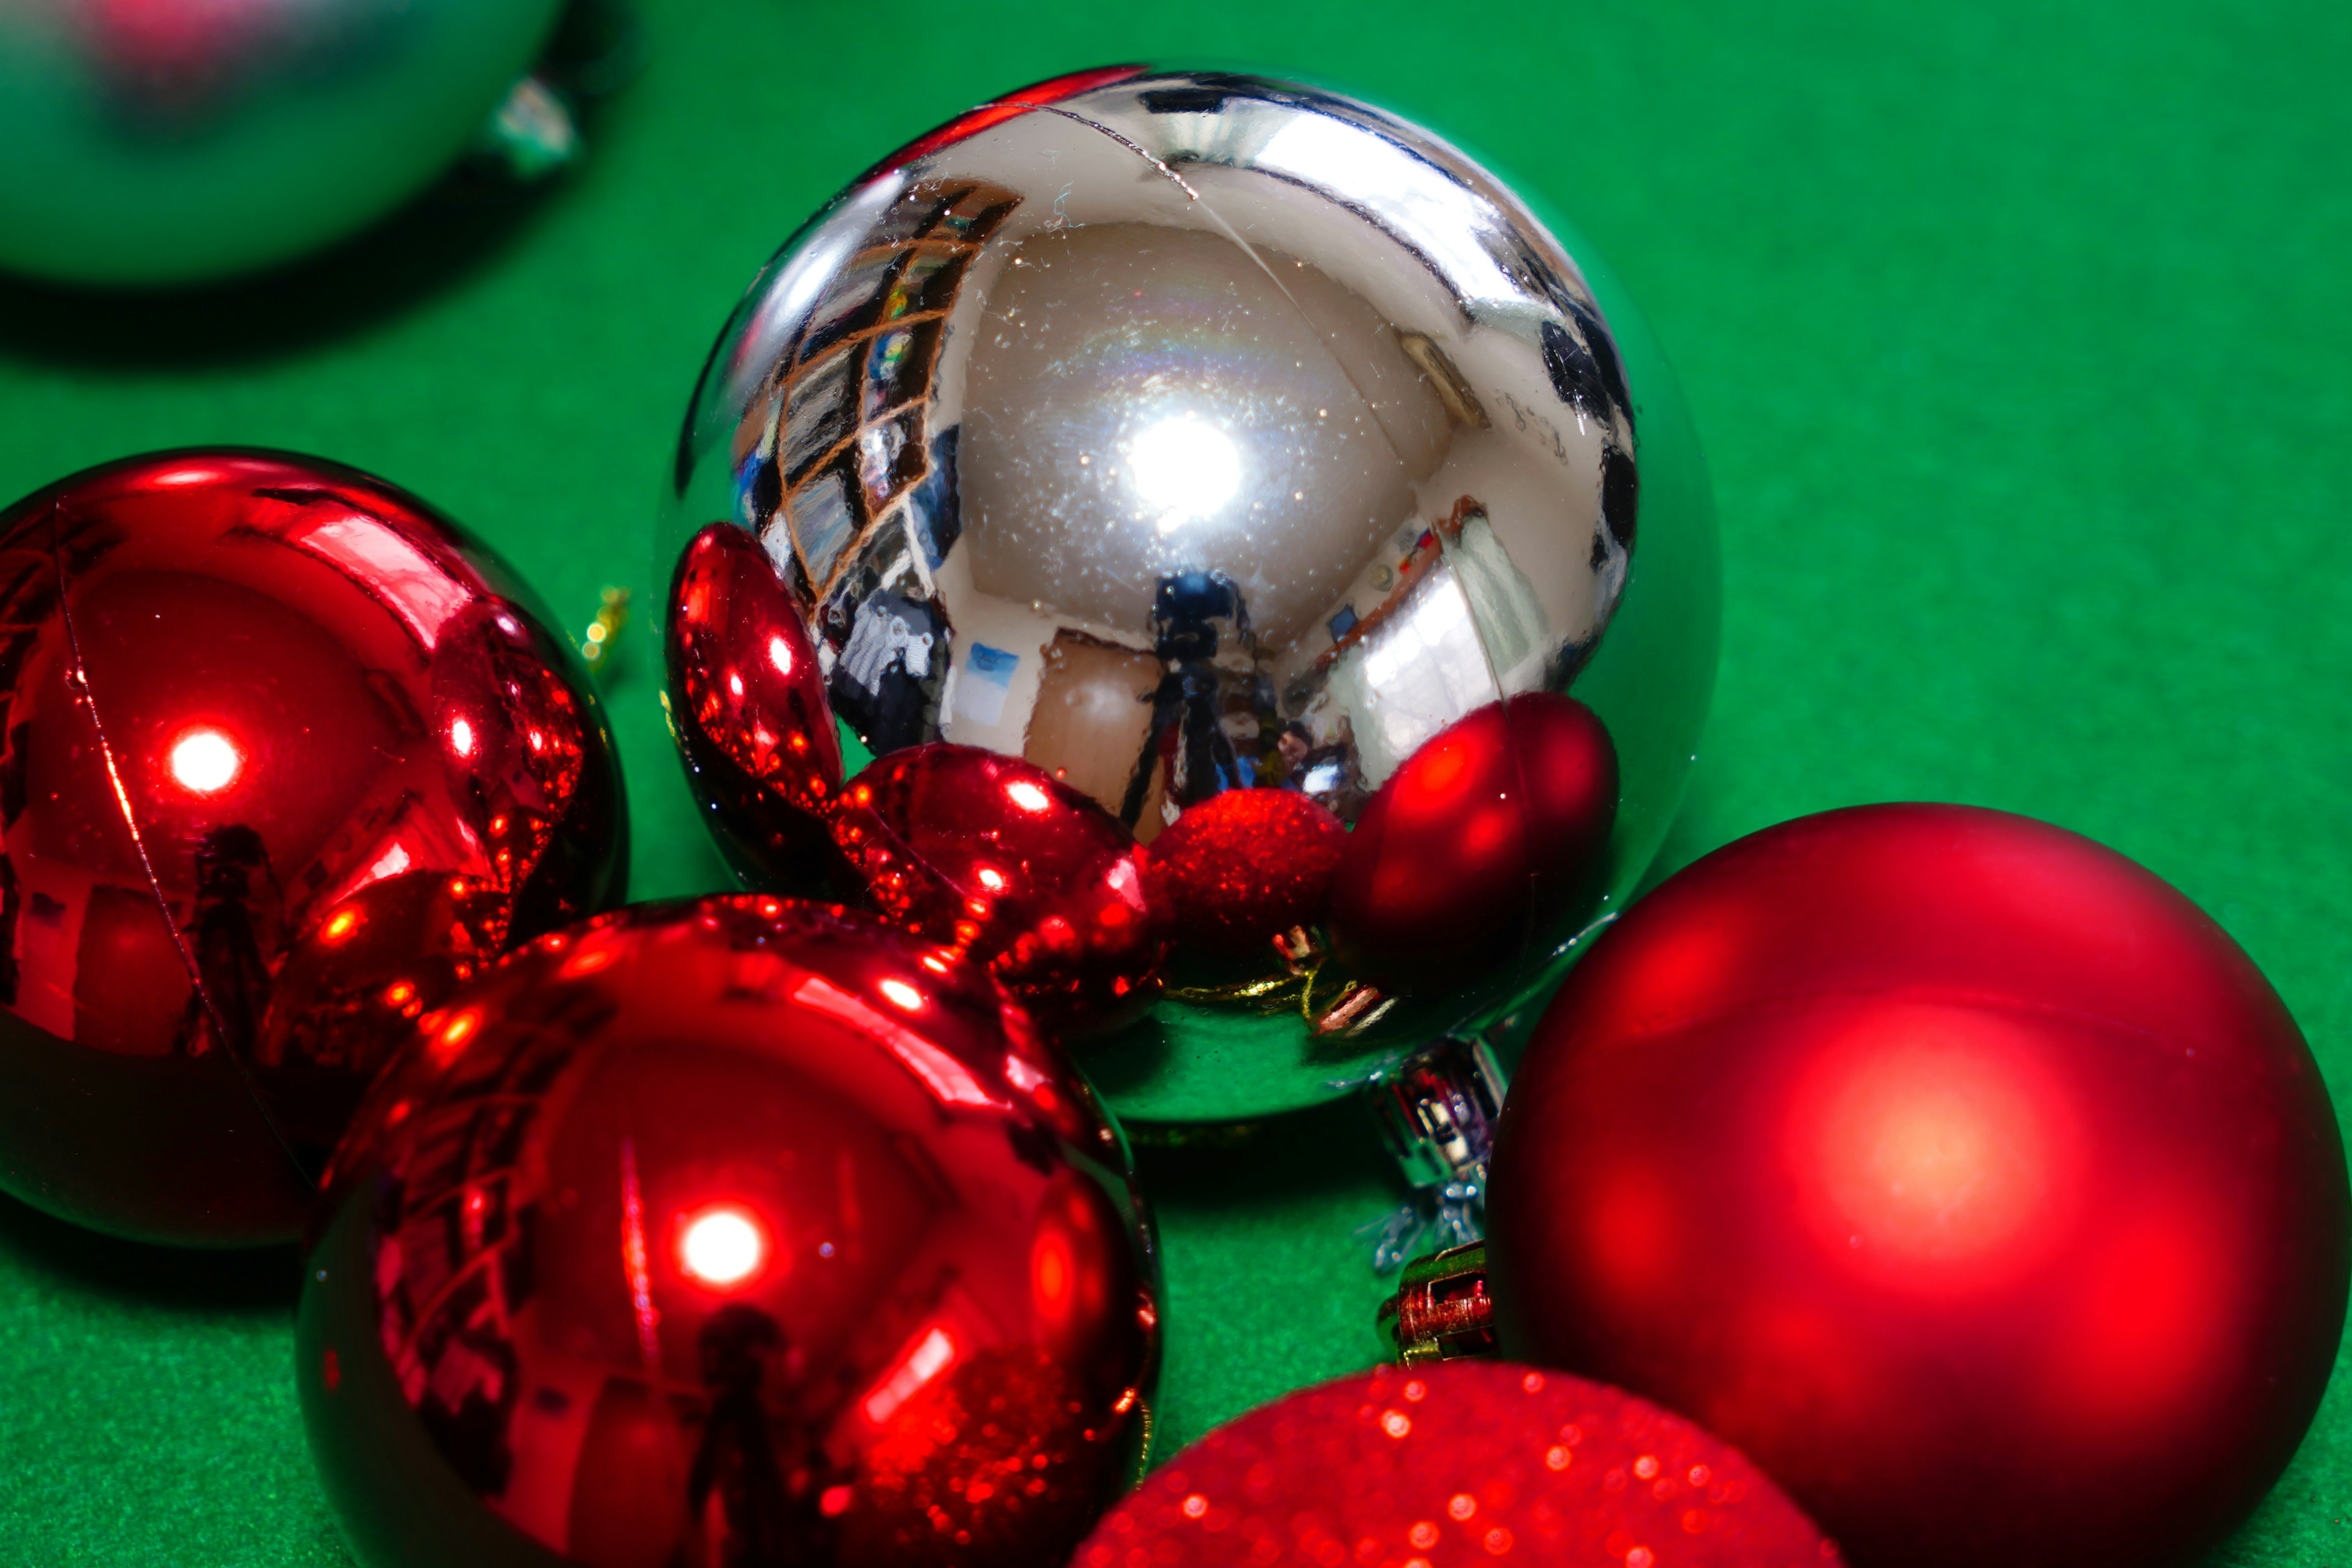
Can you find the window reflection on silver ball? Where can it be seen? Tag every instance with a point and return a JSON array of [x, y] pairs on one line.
[[1189, 434]]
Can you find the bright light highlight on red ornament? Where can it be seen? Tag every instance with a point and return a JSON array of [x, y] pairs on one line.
[[206, 762], [721, 1245], [904, 995], [1027, 795], [453, 1036], [461, 738], [1051, 1270], [1932, 1145]]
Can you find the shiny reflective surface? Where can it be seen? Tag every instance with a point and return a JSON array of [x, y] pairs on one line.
[[1958, 1169], [1014, 868], [1183, 433], [286, 757], [1470, 1462], [748, 712], [1491, 829], [740, 1232], [167, 140]]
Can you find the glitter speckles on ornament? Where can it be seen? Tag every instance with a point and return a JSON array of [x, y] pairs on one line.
[[996, 1457], [1242, 868], [1461, 1463]]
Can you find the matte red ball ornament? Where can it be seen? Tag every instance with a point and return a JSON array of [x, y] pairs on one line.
[[738, 1231], [1242, 868], [1955, 1167], [286, 757], [1452, 1465], [750, 715], [1494, 825], [999, 858]]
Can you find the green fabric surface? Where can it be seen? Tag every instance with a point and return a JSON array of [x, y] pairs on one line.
[[2018, 338]]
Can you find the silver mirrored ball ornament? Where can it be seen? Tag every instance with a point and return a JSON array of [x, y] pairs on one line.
[[1253, 469]]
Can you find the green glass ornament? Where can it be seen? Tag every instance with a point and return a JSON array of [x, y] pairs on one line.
[[163, 142]]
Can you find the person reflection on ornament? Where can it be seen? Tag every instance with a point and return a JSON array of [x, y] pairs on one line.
[[1187, 744], [1292, 746], [754, 1497], [227, 1006], [1328, 774]]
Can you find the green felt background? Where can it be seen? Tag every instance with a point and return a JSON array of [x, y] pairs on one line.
[[2017, 335]]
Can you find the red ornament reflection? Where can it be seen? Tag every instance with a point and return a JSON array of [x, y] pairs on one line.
[[1491, 826], [1957, 1168], [739, 1230], [999, 858], [236, 855], [973, 121], [750, 711], [1242, 868]]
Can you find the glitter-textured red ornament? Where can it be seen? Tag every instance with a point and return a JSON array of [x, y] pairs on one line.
[[734, 1232], [1242, 868], [1496, 822], [751, 716], [1955, 1167], [286, 757], [991, 855], [1457, 1463]]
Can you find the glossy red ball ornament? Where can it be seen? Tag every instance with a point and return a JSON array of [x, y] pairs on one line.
[[1494, 826], [750, 717], [286, 756], [1955, 1167], [1452, 1465], [736, 1231], [1242, 868], [989, 854]]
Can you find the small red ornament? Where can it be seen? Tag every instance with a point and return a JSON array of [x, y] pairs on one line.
[[1242, 868], [286, 757], [1452, 1465], [1955, 1167], [750, 715], [991, 855], [736, 1231], [1489, 829]]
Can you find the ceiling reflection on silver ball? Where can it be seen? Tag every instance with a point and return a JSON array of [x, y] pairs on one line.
[[1185, 432]]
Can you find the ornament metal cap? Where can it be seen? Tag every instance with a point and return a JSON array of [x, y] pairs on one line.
[[1437, 1115], [1441, 1310]]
